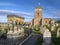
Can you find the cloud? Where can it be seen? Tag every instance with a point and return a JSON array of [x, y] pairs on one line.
[[56, 14], [15, 12], [3, 18], [28, 16], [7, 4], [52, 12]]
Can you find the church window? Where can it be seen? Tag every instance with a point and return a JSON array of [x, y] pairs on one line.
[[38, 14]]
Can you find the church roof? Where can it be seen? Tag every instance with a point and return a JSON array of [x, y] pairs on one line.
[[15, 16], [47, 18]]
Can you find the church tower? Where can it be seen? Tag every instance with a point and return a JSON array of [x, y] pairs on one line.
[[38, 16]]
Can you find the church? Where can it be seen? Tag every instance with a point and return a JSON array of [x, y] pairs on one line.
[[38, 19]]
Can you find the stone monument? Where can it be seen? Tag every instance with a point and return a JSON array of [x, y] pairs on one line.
[[15, 31], [58, 32], [47, 37], [52, 27], [57, 24]]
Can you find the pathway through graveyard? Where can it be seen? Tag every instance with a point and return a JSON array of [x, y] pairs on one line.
[[32, 40]]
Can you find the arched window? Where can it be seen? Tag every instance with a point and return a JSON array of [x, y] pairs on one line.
[[50, 22], [38, 13], [11, 21], [16, 23], [46, 21], [19, 23], [41, 22]]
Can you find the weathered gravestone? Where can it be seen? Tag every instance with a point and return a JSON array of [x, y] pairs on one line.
[[41, 29], [57, 24], [46, 37], [16, 33], [58, 32], [53, 27]]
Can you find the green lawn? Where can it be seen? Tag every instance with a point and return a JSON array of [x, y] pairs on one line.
[[39, 41], [36, 32], [55, 41]]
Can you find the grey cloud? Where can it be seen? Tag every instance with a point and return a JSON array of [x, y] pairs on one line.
[[20, 13]]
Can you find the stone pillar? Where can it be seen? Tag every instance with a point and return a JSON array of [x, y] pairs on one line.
[[13, 27]]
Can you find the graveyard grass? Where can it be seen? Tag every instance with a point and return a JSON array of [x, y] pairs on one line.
[[55, 40], [3, 32], [39, 41], [36, 32]]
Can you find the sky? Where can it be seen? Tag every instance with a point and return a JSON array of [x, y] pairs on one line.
[[25, 8]]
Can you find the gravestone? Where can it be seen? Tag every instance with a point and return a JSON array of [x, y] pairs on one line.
[[15, 28], [41, 29], [46, 37], [58, 32], [16, 34], [57, 24], [52, 27]]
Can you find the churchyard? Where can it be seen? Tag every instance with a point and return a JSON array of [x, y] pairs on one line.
[[51, 35], [13, 35]]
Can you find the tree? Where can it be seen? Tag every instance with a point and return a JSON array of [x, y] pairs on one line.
[[58, 21]]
